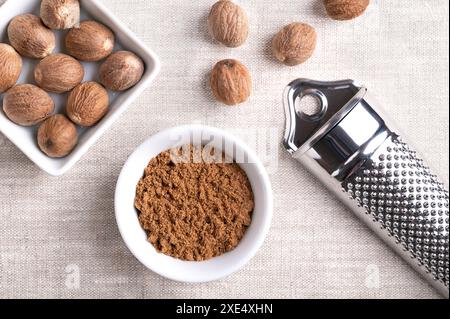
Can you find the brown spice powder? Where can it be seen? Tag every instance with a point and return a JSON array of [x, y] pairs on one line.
[[195, 210]]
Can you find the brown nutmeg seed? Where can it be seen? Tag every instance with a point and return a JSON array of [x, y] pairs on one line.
[[87, 104], [91, 41], [58, 73], [30, 37], [345, 9], [57, 136], [27, 104], [121, 71], [228, 23], [60, 14], [294, 44], [231, 82], [10, 67]]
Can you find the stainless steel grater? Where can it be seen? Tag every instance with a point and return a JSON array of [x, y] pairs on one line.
[[359, 154]]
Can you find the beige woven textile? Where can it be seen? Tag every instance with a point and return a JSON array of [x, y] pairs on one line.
[[58, 236]]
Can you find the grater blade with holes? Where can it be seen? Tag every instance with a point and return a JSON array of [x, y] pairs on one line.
[[360, 155]]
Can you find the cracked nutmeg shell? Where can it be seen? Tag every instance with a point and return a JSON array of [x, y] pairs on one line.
[[87, 104], [294, 44], [91, 41], [60, 14], [121, 71], [231, 82], [57, 136], [10, 67], [228, 23], [58, 73], [345, 9], [30, 37], [27, 105]]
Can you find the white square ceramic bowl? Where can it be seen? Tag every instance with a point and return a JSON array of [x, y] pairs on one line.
[[24, 137]]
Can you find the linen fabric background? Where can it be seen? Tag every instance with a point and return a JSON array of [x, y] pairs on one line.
[[54, 231]]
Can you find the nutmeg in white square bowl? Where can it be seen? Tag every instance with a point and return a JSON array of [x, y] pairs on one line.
[[25, 137]]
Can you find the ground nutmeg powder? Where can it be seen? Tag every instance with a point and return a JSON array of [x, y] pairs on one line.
[[197, 209]]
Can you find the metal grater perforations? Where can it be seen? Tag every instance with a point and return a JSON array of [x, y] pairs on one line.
[[358, 153], [406, 200]]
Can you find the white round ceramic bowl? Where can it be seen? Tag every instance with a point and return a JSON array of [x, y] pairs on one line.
[[135, 237]]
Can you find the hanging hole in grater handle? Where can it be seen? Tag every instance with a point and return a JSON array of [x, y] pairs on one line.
[[311, 104]]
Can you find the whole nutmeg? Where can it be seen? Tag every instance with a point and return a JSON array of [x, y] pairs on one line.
[[58, 73], [345, 9], [10, 67], [231, 82], [57, 136], [30, 37], [294, 44], [228, 23], [27, 105], [87, 104], [60, 14], [121, 71], [91, 41]]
